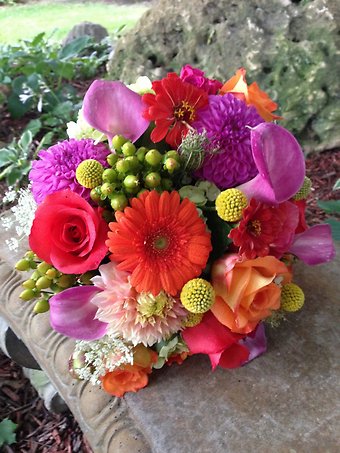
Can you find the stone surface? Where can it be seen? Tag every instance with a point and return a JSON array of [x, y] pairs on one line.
[[284, 401], [95, 31], [291, 48]]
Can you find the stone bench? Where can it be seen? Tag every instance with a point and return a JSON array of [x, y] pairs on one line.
[[284, 401]]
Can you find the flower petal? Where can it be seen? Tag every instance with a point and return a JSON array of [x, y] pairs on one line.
[[315, 245], [256, 342], [72, 313], [112, 108], [280, 162]]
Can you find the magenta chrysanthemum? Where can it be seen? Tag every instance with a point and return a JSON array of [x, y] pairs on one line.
[[226, 121], [135, 317], [56, 168]]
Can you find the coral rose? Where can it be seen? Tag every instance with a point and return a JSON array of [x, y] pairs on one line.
[[131, 378], [251, 94], [245, 290], [69, 233]]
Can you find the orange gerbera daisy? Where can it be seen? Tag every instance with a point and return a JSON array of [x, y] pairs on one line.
[[161, 241]]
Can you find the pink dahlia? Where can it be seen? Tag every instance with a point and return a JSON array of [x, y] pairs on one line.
[[56, 168], [139, 318], [227, 121]]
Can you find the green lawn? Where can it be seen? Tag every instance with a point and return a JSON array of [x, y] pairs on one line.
[[56, 19]]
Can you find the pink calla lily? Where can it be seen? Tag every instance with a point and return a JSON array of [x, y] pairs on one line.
[[72, 313], [315, 245], [114, 109], [256, 342], [280, 163]]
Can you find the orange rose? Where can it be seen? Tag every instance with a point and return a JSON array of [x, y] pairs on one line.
[[131, 378], [251, 94], [245, 290]]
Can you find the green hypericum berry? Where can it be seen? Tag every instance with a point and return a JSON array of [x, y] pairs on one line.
[[95, 194], [118, 141], [171, 165], [30, 255], [33, 265], [23, 265], [29, 284], [128, 149], [112, 159], [152, 180], [133, 163], [122, 166], [51, 273], [41, 306], [56, 288], [107, 188], [43, 267], [43, 283], [141, 153], [109, 175], [28, 294], [173, 155], [35, 275], [153, 157], [131, 182], [166, 183], [66, 281], [119, 202]]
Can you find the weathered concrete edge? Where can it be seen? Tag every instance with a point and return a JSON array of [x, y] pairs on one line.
[[105, 420]]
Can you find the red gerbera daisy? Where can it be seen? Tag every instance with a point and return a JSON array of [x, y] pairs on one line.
[[161, 241], [173, 107], [265, 229]]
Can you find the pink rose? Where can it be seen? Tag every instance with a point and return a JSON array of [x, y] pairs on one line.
[[196, 77], [69, 233]]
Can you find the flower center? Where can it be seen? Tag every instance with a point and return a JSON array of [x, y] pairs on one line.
[[254, 227], [149, 305], [184, 112], [161, 242], [158, 243]]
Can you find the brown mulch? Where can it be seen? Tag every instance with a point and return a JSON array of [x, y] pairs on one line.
[[40, 431]]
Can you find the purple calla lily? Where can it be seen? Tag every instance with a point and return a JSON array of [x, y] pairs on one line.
[[280, 162], [256, 342], [315, 245], [114, 109], [72, 313]]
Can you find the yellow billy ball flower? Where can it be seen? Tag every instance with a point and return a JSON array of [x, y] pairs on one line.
[[197, 295], [230, 204], [192, 319], [89, 173], [304, 191], [292, 297]]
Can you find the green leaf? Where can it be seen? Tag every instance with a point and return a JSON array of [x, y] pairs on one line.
[[16, 108], [74, 47], [25, 140], [14, 176], [38, 39], [335, 225], [7, 434], [34, 126], [7, 156], [337, 185], [330, 206]]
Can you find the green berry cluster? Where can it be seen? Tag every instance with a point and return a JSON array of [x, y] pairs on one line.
[[132, 171], [45, 281]]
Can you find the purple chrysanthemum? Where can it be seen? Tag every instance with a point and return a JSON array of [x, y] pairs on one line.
[[225, 121], [56, 168]]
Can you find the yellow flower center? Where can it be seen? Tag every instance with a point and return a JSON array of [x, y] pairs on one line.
[[254, 227], [184, 112], [150, 306]]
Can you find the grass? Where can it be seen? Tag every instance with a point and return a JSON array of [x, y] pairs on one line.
[[56, 18]]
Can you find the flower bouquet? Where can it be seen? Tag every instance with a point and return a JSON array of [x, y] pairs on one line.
[[168, 225]]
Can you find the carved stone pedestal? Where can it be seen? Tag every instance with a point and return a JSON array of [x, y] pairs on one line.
[[284, 401]]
